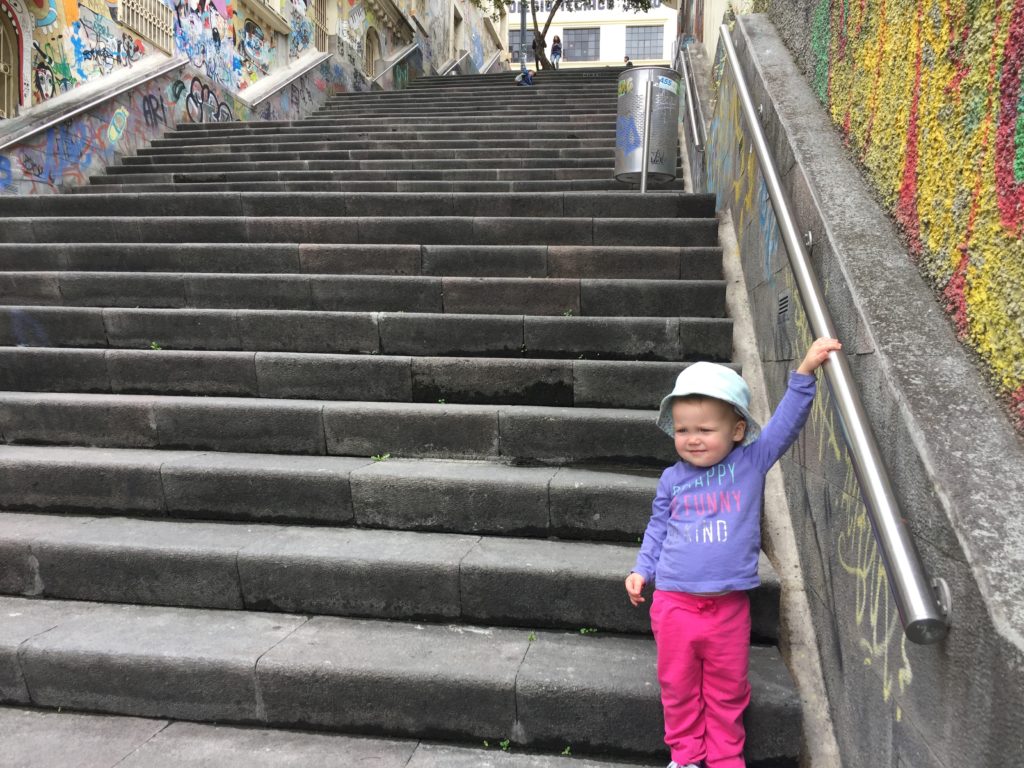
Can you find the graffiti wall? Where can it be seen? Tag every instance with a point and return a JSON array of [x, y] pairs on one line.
[[889, 697], [75, 42], [226, 50], [930, 100], [66, 155]]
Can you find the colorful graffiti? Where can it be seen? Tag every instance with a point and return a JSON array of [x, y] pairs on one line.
[[89, 44], [204, 32], [938, 123], [67, 154], [257, 49], [301, 37], [874, 633]]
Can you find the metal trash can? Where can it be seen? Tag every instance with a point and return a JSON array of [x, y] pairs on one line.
[[629, 130]]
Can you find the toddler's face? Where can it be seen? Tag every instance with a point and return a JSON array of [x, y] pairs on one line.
[[706, 430]]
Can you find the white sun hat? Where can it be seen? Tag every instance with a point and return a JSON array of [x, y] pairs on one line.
[[711, 380]]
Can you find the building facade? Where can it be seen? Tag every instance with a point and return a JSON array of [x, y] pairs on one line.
[[50, 48], [599, 33]]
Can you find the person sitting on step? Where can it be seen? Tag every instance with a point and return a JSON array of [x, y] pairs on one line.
[[525, 77], [701, 548]]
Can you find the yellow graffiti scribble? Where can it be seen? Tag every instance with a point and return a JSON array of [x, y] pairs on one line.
[[883, 642], [735, 176]]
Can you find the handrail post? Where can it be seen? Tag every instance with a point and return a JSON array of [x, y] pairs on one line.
[[645, 151], [701, 122], [691, 89], [923, 604]]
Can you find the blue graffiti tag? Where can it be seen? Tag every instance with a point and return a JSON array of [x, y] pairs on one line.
[[5, 172], [627, 138]]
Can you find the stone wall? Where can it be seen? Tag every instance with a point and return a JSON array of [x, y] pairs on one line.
[[929, 100], [955, 461]]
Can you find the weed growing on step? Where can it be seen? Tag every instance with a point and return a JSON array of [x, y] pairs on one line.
[[154, 345], [487, 744], [532, 636], [441, 401], [567, 751], [505, 745], [381, 457], [588, 630], [568, 312]]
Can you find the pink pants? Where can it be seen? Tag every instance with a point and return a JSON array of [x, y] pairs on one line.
[[703, 658]]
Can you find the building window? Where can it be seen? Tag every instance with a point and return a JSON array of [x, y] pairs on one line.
[[645, 42], [513, 46], [320, 33], [153, 19], [9, 76], [582, 44], [371, 52]]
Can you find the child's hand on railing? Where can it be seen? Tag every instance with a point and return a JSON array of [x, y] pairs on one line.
[[818, 354]]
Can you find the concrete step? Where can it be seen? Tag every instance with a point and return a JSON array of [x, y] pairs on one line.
[[301, 134], [483, 128], [622, 204], [141, 185], [381, 574], [423, 230], [469, 110], [369, 293], [600, 139], [442, 496], [548, 174], [629, 262], [557, 152], [37, 738], [419, 334], [541, 689], [517, 434], [604, 161], [506, 381], [501, 88], [536, 101]]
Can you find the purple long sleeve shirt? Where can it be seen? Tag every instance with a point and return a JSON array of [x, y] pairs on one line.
[[705, 528]]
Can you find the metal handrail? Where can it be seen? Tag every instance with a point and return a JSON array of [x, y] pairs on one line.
[[495, 58], [454, 66], [19, 137], [691, 100], [701, 122], [402, 56], [923, 604], [315, 62]]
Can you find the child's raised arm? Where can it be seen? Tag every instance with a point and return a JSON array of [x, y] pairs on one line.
[[818, 354]]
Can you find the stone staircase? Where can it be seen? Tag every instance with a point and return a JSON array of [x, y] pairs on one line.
[[346, 424]]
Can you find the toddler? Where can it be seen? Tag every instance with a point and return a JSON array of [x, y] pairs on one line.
[[701, 547]]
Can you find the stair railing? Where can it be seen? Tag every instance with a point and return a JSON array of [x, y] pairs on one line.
[[401, 56], [693, 107], [923, 603], [490, 63], [314, 62], [31, 130], [453, 68]]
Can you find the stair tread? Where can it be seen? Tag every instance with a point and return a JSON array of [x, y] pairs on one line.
[[406, 677], [41, 739], [289, 438]]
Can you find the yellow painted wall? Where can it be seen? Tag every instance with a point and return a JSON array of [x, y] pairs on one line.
[[929, 97]]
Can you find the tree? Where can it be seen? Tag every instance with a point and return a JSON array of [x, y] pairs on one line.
[[540, 35]]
